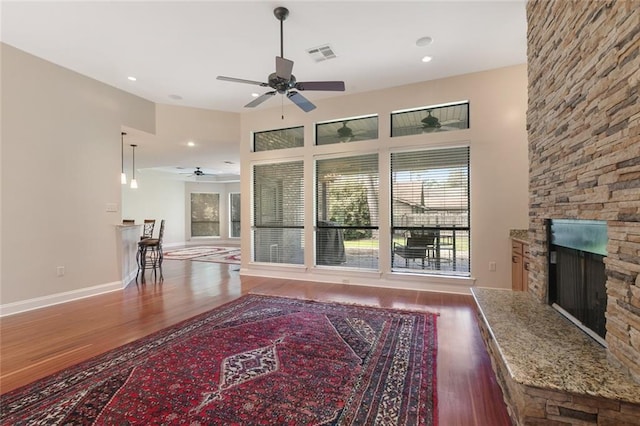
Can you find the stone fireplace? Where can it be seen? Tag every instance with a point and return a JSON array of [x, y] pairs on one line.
[[583, 122], [584, 147]]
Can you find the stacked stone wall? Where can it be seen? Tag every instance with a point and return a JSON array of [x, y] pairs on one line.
[[583, 122]]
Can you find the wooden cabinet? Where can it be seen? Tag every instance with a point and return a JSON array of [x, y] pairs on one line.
[[519, 265]]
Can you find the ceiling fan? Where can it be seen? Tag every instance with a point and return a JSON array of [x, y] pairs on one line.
[[196, 172], [432, 124], [346, 133], [283, 81]]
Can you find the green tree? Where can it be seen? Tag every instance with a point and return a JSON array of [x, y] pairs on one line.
[[349, 207]]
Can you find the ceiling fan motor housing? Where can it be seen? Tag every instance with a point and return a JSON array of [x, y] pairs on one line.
[[281, 13], [280, 84]]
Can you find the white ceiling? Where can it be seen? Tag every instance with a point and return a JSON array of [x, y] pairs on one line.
[[178, 48]]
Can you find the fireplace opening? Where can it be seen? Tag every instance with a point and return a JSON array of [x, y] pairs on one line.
[[577, 279]]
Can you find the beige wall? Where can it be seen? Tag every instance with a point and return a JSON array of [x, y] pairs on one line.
[[499, 167], [65, 129], [60, 167]]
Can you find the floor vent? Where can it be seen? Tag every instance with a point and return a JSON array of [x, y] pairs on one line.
[[321, 53]]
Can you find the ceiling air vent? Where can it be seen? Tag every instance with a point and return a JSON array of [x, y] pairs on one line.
[[321, 53]]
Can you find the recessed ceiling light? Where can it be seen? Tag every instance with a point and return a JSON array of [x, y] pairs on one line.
[[176, 97], [427, 59], [424, 41], [131, 78], [255, 95], [191, 143]]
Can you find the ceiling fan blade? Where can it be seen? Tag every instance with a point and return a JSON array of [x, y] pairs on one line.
[[284, 67], [301, 101], [337, 86], [240, 80], [257, 101]]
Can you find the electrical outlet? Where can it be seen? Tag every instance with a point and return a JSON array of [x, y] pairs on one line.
[[60, 271], [492, 266]]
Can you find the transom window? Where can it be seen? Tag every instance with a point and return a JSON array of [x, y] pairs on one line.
[[278, 139], [347, 130], [439, 118]]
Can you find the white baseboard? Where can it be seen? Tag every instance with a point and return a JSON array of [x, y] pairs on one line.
[[404, 281], [132, 275], [55, 299]]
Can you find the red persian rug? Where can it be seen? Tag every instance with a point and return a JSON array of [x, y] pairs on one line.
[[232, 256], [195, 252], [255, 361]]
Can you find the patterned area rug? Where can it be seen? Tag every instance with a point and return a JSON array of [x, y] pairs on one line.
[[231, 256], [257, 360], [193, 253]]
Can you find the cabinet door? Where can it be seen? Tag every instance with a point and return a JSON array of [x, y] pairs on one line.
[[525, 273], [516, 272]]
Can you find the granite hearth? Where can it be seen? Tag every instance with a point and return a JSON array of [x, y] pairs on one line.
[[552, 373]]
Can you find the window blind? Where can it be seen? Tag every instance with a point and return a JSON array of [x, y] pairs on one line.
[[234, 215], [347, 211], [433, 184], [278, 215], [205, 215], [430, 195]]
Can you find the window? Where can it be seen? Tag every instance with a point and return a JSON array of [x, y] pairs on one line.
[[347, 211], [439, 118], [430, 209], [347, 130], [205, 215], [278, 216], [234, 215], [278, 139]]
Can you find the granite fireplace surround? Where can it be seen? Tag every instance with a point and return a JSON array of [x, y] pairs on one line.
[[583, 123]]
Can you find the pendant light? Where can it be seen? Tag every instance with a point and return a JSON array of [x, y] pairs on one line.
[[123, 175], [134, 182]]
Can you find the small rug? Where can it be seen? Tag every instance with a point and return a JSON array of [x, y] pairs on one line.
[[232, 256], [257, 360], [193, 252]]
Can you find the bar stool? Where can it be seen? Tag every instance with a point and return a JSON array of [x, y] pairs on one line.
[[147, 228], [149, 255]]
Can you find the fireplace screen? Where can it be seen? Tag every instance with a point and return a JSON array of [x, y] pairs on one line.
[[577, 272]]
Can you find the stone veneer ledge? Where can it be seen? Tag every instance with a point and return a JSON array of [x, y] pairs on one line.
[[519, 234], [548, 369]]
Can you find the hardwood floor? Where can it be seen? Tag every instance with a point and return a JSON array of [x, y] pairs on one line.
[[38, 343]]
